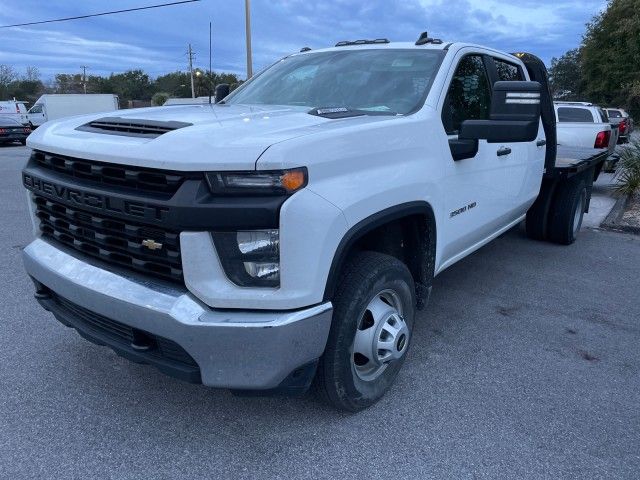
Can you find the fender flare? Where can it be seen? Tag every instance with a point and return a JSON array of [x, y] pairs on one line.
[[376, 220]]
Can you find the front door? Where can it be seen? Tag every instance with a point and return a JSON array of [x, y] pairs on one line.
[[479, 184], [37, 115]]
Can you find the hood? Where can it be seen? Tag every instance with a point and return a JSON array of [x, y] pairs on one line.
[[224, 137]]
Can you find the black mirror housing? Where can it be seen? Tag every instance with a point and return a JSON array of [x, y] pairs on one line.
[[514, 116], [222, 91]]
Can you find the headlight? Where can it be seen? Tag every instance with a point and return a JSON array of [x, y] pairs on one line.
[[250, 258], [271, 182]]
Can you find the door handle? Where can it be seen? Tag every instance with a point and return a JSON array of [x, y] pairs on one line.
[[503, 151], [541, 143]]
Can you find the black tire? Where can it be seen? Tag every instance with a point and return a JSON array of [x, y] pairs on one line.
[[564, 223], [363, 278]]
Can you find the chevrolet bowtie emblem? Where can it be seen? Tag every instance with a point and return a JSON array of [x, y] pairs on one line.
[[151, 244]]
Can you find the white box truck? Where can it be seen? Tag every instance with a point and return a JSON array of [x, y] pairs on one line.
[[55, 106]]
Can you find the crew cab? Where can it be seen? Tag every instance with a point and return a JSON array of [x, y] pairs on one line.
[[288, 234]]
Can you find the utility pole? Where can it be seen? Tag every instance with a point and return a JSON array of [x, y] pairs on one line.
[[193, 89], [247, 16], [84, 78], [210, 76]]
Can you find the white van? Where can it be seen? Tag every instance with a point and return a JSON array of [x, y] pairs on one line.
[[54, 106], [14, 109]]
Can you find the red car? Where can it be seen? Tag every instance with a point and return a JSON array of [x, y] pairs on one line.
[[619, 117]]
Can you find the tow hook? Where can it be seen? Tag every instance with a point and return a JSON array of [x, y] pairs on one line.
[[142, 342]]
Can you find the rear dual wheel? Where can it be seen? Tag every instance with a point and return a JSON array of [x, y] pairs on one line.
[[567, 212], [374, 309]]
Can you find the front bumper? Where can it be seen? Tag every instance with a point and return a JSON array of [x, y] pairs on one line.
[[14, 137], [246, 350]]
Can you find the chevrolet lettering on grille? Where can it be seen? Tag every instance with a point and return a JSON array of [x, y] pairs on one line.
[[97, 201]]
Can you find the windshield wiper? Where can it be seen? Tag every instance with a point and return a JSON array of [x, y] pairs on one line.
[[344, 112]]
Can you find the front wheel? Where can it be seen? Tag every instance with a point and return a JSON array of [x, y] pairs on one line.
[[373, 316]]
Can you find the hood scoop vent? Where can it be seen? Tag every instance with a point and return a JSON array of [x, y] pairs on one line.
[[130, 127]]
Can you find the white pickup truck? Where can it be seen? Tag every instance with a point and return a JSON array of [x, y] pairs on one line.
[[583, 124], [290, 233]]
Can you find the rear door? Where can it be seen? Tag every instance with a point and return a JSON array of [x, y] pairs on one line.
[[11, 109], [482, 190], [522, 169]]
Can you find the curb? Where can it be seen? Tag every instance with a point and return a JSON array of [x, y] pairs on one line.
[[612, 220]]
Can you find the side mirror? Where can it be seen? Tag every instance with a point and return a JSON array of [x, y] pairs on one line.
[[222, 91], [514, 116]]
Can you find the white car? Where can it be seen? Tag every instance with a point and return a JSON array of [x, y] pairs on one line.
[[290, 233]]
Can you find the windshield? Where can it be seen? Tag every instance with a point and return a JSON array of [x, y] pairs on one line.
[[389, 81]]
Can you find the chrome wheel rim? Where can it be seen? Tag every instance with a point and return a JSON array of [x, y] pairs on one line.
[[382, 336], [577, 217]]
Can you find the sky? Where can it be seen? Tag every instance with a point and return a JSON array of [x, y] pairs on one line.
[[156, 40]]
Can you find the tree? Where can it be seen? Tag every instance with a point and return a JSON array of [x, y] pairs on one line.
[[68, 83], [176, 84], [131, 85], [159, 98], [565, 76], [610, 56], [32, 74], [205, 81], [26, 90], [7, 75]]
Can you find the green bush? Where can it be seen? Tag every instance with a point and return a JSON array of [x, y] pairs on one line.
[[628, 174], [159, 98]]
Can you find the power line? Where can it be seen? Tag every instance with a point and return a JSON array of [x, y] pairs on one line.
[[99, 14]]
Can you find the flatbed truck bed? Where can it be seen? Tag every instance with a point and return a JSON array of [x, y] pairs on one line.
[[571, 161]]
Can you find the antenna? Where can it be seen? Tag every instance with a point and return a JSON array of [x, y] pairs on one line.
[[210, 76]]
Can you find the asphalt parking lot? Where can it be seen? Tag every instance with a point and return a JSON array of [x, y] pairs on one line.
[[525, 365]]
